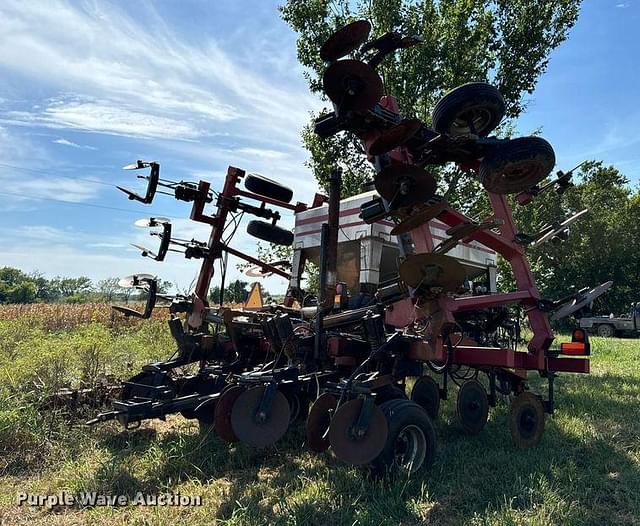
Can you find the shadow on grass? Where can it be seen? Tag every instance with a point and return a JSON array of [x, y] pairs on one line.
[[582, 473]]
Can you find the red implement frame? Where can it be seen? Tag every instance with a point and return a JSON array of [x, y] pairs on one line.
[[215, 245], [404, 312]]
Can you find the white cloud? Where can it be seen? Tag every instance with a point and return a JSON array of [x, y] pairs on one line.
[[42, 233], [142, 70], [102, 117], [57, 188], [206, 106], [21, 185], [65, 142], [263, 153]]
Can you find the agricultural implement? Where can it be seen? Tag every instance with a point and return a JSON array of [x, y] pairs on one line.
[[343, 359]]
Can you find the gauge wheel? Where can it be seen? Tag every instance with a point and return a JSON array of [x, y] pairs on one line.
[[474, 108], [411, 441], [270, 233], [517, 165], [258, 184]]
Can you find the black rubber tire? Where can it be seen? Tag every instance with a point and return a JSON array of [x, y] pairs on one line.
[[526, 420], [426, 393], [402, 415], [389, 392], [529, 159], [483, 99], [258, 184], [271, 233], [606, 331]]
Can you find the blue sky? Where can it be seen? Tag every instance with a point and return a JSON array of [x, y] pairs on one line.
[[89, 87]]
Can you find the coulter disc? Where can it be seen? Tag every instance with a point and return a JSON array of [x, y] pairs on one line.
[[222, 415], [422, 216], [352, 85], [350, 448], [255, 429], [405, 185], [472, 406], [426, 393], [526, 420], [345, 40], [318, 422]]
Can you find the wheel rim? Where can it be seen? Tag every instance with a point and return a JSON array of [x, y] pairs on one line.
[[515, 176], [410, 448], [472, 120], [522, 171], [605, 331]]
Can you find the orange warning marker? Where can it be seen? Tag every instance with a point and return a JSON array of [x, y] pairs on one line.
[[254, 300]]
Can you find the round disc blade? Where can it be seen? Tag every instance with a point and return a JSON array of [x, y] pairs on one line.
[[318, 422], [362, 450], [420, 217], [472, 406], [405, 185], [222, 415], [129, 281], [426, 393], [258, 272], [394, 137], [247, 425], [345, 40], [147, 222], [432, 271], [352, 85], [526, 420]]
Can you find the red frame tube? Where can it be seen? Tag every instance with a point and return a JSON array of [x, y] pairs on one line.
[[405, 312], [215, 245]]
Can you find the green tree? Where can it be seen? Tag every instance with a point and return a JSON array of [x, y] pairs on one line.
[[505, 42], [23, 292], [214, 295], [16, 286], [236, 291], [108, 289], [603, 245], [45, 292], [73, 286]]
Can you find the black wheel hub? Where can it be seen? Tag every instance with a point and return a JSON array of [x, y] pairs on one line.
[[473, 120]]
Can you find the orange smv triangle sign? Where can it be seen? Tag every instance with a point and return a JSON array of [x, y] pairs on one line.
[[254, 300]]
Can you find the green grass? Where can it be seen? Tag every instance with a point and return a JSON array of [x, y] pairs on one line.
[[586, 471]]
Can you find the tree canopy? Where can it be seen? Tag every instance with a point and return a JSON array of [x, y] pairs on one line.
[[508, 44], [17, 286], [504, 42], [603, 245]]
